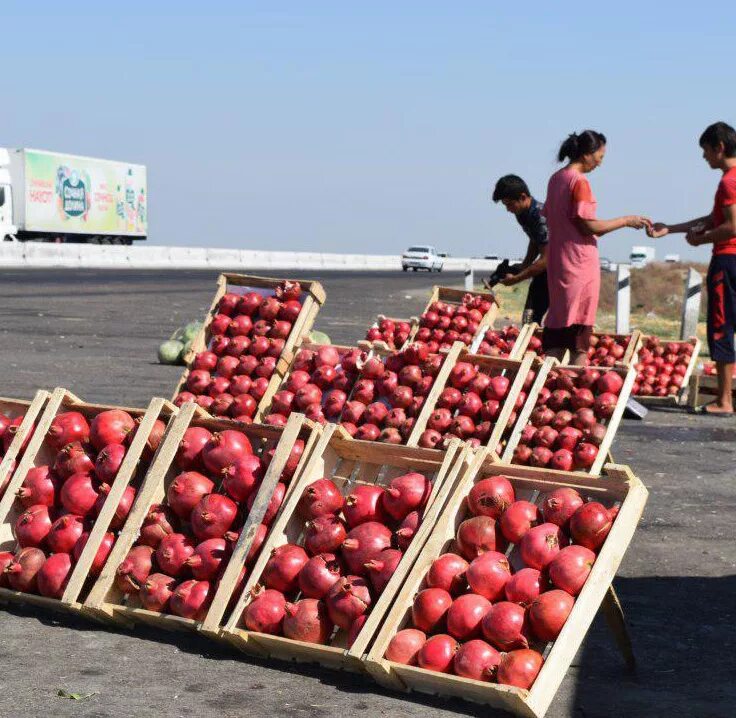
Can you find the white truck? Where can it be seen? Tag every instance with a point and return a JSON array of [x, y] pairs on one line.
[[47, 196], [641, 256]]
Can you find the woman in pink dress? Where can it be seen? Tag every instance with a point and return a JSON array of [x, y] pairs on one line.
[[573, 265]]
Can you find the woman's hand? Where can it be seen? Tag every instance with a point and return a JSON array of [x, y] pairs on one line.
[[636, 221], [658, 229]]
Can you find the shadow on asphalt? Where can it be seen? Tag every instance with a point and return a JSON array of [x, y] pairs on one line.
[[684, 635]]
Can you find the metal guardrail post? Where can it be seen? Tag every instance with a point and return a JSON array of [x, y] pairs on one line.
[[468, 278], [623, 298], [691, 304]]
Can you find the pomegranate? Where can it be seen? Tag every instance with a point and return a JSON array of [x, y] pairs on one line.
[[382, 568], [242, 477], [281, 571], [404, 646], [186, 491], [407, 529], [98, 563], [190, 600], [405, 494], [491, 496], [39, 487], [156, 592], [21, 572], [319, 575], [524, 586], [223, 449], [541, 544], [504, 625], [448, 572], [66, 428], [32, 526], [590, 525], [437, 653], [212, 516], [465, 615], [320, 498], [274, 504], [123, 507], [72, 459], [488, 574], [188, 455], [159, 522], [363, 543], [429, 609], [53, 576], [249, 303], [307, 621], [570, 568], [477, 660], [585, 455], [562, 460], [347, 600], [110, 427], [266, 611], [548, 613], [477, 535], [609, 382], [64, 534], [517, 519], [205, 562], [134, 569], [519, 668], [363, 504], [6, 558], [325, 534], [430, 439], [172, 554], [559, 505]]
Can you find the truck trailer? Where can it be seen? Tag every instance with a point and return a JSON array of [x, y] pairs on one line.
[[641, 256], [47, 196]]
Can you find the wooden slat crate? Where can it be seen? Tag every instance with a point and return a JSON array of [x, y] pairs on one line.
[[628, 376], [30, 410], [703, 385], [314, 297], [347, 463], [518, 349], [516, 370], [681, 398], [39, 453], [107, 602], [381, 345], [633, 343], [620, 488]]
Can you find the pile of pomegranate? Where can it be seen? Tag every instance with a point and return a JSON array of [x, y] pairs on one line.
[[443, 324], [247, 336], [351, 547], [535, 344], [394, 332], [320, 382], [506, 586], [8, 429], [185, 541], [499, 342], [389, 396], [59, 503], [661, 367], [469, 406], [605, 350], [569, 420]]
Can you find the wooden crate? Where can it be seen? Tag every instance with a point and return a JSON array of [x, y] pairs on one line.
[[517, 351], [627, 374], [107, 602], [241, 284], [629, 357], [368, 345], [517, 370], [703, 385], [681, 398], [347, 462], [30, 410], [38, 453], [620, 487]]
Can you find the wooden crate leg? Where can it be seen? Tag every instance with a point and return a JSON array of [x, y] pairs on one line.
[[609, 458], [614, 615]]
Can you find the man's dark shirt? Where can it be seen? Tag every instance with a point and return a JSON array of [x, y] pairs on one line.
[[534, 224]]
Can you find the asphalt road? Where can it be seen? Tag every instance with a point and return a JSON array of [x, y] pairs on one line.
[[97, 332]]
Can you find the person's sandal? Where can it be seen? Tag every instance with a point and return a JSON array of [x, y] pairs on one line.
[[702, 410]]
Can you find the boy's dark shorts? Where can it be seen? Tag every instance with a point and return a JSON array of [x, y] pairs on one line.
[[722, 307], [576, 338]]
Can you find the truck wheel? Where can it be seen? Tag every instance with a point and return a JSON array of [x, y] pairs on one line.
[[405, 269]]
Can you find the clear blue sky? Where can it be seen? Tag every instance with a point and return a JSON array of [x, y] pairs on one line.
[[368, 126]]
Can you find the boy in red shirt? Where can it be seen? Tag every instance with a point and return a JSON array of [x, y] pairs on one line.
[[719, 229]]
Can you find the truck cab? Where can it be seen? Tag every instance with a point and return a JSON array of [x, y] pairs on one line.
[[7, 228], [641, 256]]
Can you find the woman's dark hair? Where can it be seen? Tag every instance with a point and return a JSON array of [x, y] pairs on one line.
[[510, 187], [575, 146], [720, 132]]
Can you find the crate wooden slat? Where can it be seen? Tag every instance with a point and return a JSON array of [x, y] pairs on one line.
[[347, 462], [39, 453], [30, 410], [680, 398], [703, 384], [105, 601], [619, 487], [517, 369], [628, 376], [314, 297], [522, 341]]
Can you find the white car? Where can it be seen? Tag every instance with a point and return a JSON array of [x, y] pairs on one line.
[[421, 257]]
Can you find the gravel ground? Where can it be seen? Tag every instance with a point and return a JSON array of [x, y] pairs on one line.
[[96, 333]]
